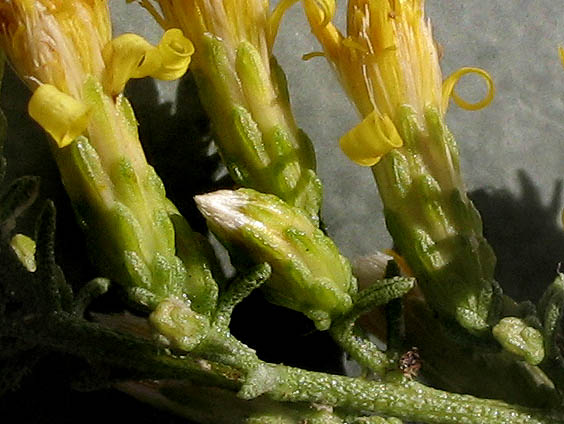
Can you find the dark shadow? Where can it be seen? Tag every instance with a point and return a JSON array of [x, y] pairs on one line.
[[280, 335], [526, 235], [45, 398]]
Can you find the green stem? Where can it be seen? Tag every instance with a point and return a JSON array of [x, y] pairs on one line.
[[402, 398], [220, 346], [397, 396], [211, 405]]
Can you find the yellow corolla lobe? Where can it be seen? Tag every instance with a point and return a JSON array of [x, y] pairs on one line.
[[61, 115], [370, 140], [131, 56]]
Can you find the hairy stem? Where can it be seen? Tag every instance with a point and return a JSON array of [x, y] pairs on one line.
[[400, 397]]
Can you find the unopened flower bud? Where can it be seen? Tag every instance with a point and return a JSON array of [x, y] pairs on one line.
[[308, 273], [179, 324]]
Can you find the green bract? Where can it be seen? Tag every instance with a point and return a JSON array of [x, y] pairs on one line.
[[245, 94], [135, 233]]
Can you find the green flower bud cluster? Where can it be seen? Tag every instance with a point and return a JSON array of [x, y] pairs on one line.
[[308, 273], [434, 225]]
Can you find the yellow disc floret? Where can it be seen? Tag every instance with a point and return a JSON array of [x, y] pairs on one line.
[[55, 42], [57, 46]]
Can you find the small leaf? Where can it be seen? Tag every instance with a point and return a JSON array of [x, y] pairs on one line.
[[380, 293]]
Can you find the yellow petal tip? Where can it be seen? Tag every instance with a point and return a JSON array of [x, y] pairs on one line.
[[450, 83], [371, 139], [131, 56], [176, 53], [61, 115]]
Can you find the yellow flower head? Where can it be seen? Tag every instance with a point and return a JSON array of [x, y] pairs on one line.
[[55, 42], [57, 45], [387, 60], [233, 41], [54, 45]]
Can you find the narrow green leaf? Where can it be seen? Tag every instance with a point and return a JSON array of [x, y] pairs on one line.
[[238, 290], [379, 293]]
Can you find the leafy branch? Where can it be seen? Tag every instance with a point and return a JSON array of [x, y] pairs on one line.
[[61, 328]]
